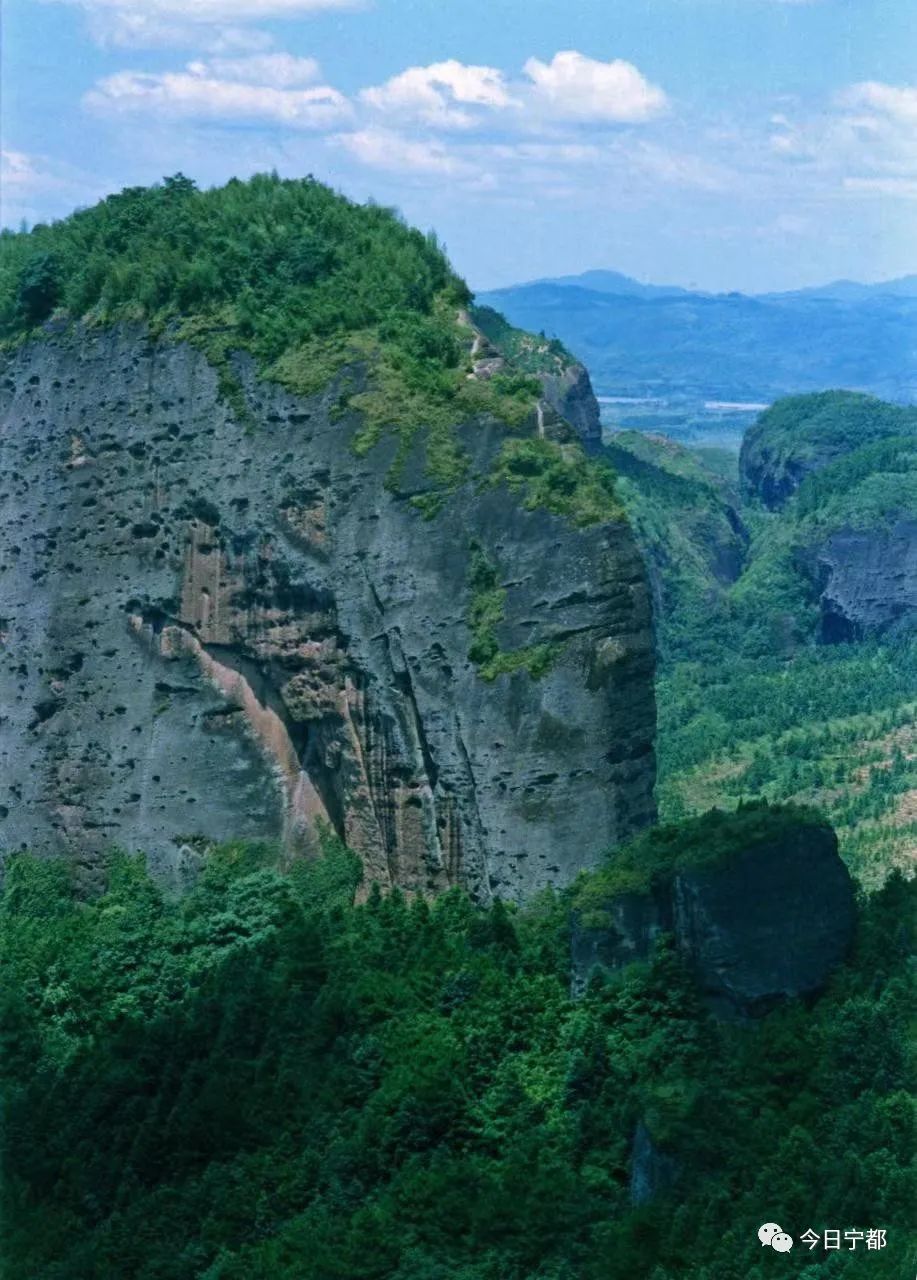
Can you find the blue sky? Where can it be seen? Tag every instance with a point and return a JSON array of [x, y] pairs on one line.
[[727, 144]]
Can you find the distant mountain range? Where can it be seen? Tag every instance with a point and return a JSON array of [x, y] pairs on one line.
[[657, 340]]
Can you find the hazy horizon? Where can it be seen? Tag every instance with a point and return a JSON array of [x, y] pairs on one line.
[[692, 286]]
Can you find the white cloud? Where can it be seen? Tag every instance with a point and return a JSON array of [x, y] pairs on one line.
[[574, 87], [677, 168], [33, 187], [569, 88], [203, 92], [896, 103], [282, 70], [17, 170], [214, 25], [131, 30], [385, 149], [438, 93]]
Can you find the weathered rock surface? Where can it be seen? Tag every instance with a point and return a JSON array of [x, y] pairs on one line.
[[868, 581], [769, 923], [567, 388], [212, 632], [770, 478], [571, 395]]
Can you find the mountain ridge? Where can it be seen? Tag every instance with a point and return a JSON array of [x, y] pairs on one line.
[[618, 283], [733, 346]]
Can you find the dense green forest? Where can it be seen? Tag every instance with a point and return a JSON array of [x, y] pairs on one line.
[[750, 705], [263, 1080], [799, 435]]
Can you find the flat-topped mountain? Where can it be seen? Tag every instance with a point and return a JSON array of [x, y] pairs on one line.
[[289, 538], [842, 470]]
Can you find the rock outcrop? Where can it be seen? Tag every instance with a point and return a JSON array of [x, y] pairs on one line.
[[768, 923], [570, 393], [214, 630], [652, 1171], [868, 581], [800, 436], [567, 388], [852, 528]]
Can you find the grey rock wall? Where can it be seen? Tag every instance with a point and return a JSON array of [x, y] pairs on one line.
[[572, 396], [211, 631], [869, 581], [768, 924]]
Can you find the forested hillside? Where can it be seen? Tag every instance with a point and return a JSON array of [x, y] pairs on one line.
[[261, 1080], [786, 636]]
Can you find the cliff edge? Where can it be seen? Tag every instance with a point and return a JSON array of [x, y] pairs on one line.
[[234, 608]]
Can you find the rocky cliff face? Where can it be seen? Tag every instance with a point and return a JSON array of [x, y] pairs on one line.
[[213, 631], [570, 393], [852, 527], [868, 581], [747, 928], [566, 386]]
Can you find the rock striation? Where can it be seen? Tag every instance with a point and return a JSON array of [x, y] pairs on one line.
[[213, 630], [766, 924]]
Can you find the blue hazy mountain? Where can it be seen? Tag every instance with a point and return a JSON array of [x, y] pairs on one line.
[[615, 282], [852, 290], [647, 340]]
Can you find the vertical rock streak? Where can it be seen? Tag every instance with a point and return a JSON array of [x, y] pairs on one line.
[[214, 633]]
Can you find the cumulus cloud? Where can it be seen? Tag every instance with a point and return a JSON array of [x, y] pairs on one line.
[[574, 87], [440, 93], [232, 90], [386, 149], [570, 88]]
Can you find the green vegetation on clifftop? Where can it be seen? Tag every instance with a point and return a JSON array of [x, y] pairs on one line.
[[704, 841], [307, 282], [323, 293]]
